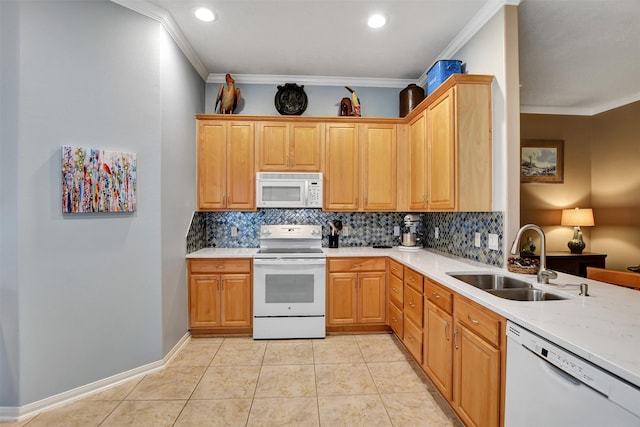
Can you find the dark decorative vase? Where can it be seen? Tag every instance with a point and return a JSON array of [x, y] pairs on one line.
[[576, 245], [410, 97]]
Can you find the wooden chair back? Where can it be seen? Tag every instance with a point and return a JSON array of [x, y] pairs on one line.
[[615, 277]]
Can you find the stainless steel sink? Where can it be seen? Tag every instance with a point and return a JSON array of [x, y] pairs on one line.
[[525, 294], [487, 281], [506, 287]]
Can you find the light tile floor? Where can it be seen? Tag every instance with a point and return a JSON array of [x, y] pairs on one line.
[[345, 380]]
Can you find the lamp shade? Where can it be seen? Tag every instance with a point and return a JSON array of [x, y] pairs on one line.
[[577, 217]]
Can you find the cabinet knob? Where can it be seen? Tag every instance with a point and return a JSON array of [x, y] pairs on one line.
[[472, 320], [436, 296]]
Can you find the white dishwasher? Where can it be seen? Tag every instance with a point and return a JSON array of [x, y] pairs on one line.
[[548, 386]]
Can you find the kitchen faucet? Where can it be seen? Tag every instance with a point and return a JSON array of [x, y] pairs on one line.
[[543, 274]]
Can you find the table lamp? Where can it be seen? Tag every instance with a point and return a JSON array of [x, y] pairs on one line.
[[577, 218]]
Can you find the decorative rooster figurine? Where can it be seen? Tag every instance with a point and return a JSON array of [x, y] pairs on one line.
[[227, 97], [355, 101]]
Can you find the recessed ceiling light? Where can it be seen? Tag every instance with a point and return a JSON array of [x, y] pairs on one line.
[[376, 21], [205, 14]]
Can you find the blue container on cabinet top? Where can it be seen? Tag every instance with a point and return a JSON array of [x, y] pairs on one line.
[[440, 71]]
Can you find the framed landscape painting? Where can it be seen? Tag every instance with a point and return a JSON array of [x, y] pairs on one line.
[[542, 161]]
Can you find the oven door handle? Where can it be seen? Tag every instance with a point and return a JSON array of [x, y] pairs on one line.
[[289, 261]]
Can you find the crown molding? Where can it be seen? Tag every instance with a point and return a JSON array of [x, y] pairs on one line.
[[157, 13], [585, 111], [312, 80], [560, 111]]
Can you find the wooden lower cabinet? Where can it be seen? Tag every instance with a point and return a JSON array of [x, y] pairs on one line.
[[476, 379], [438, 348], [460, 345], [356, 296], [478, 363], [220, 294]]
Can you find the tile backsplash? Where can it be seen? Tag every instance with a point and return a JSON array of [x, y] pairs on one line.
[[456, 230]]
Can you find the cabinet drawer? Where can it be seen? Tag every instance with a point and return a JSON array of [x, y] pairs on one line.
[[396, 269], [413, 279], [396, 291], [484, 323], [395, 320], [357, 264], [439, 295], [413, 305], [226, 265], [413, 340]]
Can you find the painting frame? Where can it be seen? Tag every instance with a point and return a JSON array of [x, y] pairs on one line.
[[96, 180], [548, 166]]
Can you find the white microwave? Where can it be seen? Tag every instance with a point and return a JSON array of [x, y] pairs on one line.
[[288, 190]]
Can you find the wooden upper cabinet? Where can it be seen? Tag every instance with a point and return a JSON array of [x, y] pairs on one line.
[[441, 156], [283, 146], [417, 163], [378, 144], [211, 166], [342, 169], [225, 165], [459, 135]]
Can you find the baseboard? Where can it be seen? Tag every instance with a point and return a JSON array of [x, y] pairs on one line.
[[18, 413]]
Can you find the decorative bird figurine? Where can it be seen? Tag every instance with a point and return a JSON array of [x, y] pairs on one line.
[[227, 97], [355, 101]]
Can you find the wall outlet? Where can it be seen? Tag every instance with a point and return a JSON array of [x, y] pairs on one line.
[[345, 230], [476, 240], [396, 230], [234, 231], [493, 242], [436, 232]]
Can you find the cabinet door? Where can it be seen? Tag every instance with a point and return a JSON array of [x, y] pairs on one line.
[[240, 170], [438, 351], [418, 163], [341, 302], [272, 144], [342, 171], [305, 147], [379, 160], [476, 379], [372, 300], [204, 302], [236, 299], [442, 153], [211, 165]]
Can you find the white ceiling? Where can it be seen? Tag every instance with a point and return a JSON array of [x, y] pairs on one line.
[[576, 56]]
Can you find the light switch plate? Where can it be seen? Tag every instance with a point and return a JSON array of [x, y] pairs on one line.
[[493, 241], [396, 230], [436, 232], [234, 231], [345, 230], [476, 241]]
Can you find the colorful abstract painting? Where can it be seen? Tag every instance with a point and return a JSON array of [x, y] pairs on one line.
[[98, 180]]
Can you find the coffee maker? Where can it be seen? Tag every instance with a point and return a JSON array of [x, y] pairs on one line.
[[409, 235]]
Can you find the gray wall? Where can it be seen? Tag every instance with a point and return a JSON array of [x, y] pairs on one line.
[[9, 301], [101, 294], [182, 90]]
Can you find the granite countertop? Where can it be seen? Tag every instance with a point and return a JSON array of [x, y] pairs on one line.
[[603, 328]]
